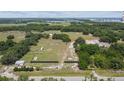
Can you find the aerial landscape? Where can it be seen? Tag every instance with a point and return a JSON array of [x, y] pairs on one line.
[[62, 46]]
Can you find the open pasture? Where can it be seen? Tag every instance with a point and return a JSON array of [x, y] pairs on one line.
[[46, 50]]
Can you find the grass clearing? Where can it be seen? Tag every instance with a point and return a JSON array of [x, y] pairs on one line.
[[19, 35], [75, 35]]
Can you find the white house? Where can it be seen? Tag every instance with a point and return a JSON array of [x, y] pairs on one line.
[[19, 63]]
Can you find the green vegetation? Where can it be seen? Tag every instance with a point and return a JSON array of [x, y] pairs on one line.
[[24, 68], [18, 35], [23, 78], [52, 50], [94, 56], [108, 32], [63, 37], [61, 72], [3, 78], [32, 40], [5, 45], [19, 50]]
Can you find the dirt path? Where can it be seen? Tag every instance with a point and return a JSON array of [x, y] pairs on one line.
[[8, 72]]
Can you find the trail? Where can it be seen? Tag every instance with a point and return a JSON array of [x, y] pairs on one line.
[[8, 72]]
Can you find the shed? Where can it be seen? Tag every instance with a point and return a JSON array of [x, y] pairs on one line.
[[19, 63]]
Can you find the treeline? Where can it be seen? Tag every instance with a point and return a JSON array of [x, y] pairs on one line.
[[63, 37], [19, 20], [19, 50], [93, 56], [107, 32], [30, 27]]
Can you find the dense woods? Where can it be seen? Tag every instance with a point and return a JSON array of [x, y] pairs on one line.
[[4, 45], [20, 49], [92, 56]]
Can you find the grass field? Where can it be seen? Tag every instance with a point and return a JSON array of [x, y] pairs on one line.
[[52, 50], [61, 72], [110, 73], [17, 34], [75, 35]]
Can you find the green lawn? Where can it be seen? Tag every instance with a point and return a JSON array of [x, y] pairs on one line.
[[109, 73], [55, 73], [19, 35]]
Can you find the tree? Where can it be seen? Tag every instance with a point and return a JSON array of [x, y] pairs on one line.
[[19, 50], [79, 41], [100, 61], [63, 37], [90, 48], [83, 60], [118, 47], [10, 37], [23, 78], [116, 63]]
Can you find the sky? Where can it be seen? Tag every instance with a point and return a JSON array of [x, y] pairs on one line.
[[60, 14]]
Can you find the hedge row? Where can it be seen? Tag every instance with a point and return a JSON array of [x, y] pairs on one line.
[[44, 62], [71, 61]]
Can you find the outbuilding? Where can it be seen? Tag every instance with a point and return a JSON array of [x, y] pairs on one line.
[[20, 62]]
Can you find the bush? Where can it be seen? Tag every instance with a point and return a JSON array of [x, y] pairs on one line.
[[10, 37], [3, 78], [23, 78], [23, 69], [63, 37]]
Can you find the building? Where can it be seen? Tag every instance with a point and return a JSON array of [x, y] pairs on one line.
[[19, 63], [96, 41]]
